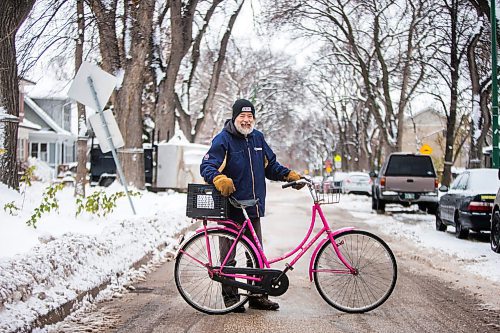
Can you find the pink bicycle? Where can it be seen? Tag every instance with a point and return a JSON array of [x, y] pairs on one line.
[[353, 270]]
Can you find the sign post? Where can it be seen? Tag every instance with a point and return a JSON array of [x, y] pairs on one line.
[[84, 90], [110, 142]]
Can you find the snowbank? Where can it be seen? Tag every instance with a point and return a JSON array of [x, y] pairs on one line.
[[44, 268], [475, 256]]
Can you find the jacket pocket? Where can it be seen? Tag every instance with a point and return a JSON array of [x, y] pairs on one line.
[[236, 162]]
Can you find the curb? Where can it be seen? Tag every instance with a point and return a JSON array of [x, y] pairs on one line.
[[64, 310]]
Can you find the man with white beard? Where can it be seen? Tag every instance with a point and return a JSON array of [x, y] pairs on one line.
[[237, 163]]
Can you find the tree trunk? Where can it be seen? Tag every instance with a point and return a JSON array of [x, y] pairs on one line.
[[127, 99], [12, 15], [452, 116], [81, 148], [106, 24], [181, 18], [129, 96]]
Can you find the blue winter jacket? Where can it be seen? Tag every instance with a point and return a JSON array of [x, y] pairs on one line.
[[247, 161]]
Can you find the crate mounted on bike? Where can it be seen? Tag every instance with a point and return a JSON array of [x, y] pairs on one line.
[[204, 201]]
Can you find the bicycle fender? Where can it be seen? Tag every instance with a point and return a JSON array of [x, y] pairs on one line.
[[254, 248], [316, 250]]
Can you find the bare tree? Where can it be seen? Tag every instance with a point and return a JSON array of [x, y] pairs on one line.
[[381, 40], [81, 149], [453, 34], [478, 53], [125, 54], [12, 15], [285, 109], [191, 123]]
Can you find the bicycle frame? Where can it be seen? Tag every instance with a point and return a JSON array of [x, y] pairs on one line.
[[300, 250]]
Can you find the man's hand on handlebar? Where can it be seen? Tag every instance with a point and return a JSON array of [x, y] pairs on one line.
[[297, 184], [294, 177]]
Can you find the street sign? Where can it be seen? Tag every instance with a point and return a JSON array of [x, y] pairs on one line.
[[100, 132], [92, 87], [338, 161], [81, 91], [426, 149]]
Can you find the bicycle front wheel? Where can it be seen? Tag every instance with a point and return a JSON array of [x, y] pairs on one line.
[[370, 286], [192, 276]]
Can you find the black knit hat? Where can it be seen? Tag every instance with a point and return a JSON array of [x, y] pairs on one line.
[[242, 105]]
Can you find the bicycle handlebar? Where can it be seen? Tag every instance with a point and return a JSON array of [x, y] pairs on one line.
[[289, 184], [302, 180]]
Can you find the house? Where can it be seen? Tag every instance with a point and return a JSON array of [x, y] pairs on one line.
[[428, 127], [47, 126]]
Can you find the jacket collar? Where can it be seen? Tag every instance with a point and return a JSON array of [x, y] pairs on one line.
[[231, 129]]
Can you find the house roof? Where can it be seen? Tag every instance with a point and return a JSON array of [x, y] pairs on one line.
[[424, 111], [28, 124], [45, 117], [6, 117], [49, 88]]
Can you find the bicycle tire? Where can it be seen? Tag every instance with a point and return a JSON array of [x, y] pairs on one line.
[[361, 292], [193, 281]]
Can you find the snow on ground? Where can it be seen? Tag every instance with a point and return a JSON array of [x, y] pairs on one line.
[[420, 228], [43, 268]]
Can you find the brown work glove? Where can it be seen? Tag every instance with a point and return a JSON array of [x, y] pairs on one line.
[[293, 176], [224, 185]]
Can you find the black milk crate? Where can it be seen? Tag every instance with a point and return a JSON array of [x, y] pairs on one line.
[[204, 201]]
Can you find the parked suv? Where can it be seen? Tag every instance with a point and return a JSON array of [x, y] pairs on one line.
[[406, 179]]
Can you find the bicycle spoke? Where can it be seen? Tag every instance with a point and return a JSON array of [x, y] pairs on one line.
[[370, 286], [193, 280]]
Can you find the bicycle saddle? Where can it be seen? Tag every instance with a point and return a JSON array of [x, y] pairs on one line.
[[243, 203]]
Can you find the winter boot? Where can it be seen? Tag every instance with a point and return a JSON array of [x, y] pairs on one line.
[[262, 303], [230, 301]]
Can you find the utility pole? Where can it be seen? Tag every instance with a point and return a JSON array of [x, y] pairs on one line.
[[494, 82]]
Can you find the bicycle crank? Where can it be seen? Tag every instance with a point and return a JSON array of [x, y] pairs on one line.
[[273, 283], [276, 286]]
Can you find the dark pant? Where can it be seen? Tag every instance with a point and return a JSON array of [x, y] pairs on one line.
[[230, 292]]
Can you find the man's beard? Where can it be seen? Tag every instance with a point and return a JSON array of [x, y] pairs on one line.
[[243, 130]]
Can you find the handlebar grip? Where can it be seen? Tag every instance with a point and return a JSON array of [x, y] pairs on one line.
[[289, 184]]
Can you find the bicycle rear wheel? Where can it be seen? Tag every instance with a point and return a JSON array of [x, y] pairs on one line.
[[370, 286], [192, 276]]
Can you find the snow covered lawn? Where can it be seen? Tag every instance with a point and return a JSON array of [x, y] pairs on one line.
[[43, 268]]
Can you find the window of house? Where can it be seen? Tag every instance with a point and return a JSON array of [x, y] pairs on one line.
[[43, 152], [34, 149], [69, 154], [20, 149], [52, 153], [67, 116]]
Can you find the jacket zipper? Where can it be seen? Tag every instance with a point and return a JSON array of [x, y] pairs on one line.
[[253, 179]]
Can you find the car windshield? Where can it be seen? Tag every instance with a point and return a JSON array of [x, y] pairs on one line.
[[359, 178], [485, 181], [410, 165], [340, 176]]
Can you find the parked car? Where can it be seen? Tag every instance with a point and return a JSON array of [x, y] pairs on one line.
[[495, 222], [406, 179], [357, 183], [318, 183], [468, 203], [335, 182]]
